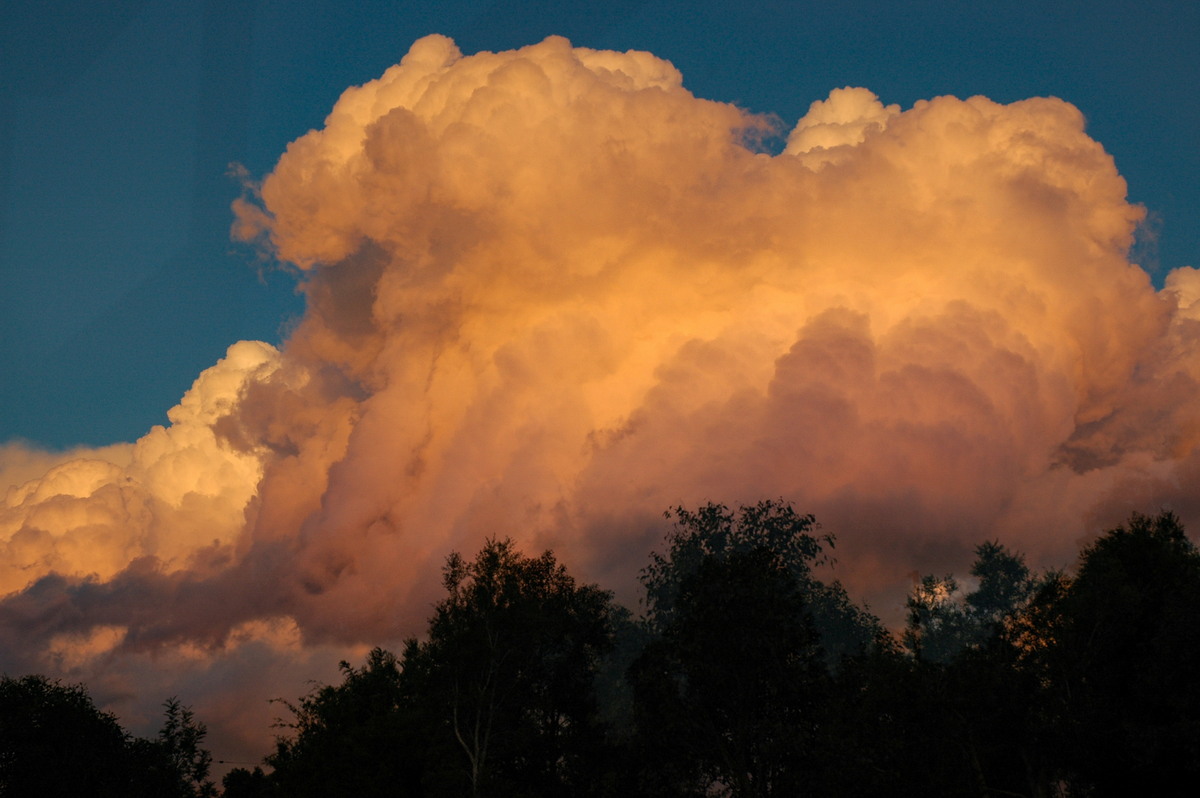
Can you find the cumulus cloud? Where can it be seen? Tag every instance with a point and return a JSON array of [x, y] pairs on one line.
[[174, 493], [551, 293], [835, 125]]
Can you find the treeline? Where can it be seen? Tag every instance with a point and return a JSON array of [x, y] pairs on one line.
[[747, 675], [55, 743]]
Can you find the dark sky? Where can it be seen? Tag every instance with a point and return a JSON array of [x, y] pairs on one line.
[[119, 122]]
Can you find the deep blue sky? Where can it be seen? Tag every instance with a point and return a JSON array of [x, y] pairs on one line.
[[118, 121]]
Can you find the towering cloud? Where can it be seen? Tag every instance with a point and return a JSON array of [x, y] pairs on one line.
[[551, 293]]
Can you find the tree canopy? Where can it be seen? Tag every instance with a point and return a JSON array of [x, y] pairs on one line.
[[528, 682], [511, 655], [793, 541], [1123, 660], [497, 699], [54, 741]]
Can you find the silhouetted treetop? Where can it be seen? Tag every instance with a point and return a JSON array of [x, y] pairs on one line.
[[942, 623], [55, 742], [788, 538]]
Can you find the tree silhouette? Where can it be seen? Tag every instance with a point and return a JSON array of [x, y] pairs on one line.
[[510, 661], [362, 737], [942, 622], [528, 683], [715, 531], [179, 741], [728, 695], [55, 742], [1120, 647], [243, 783]]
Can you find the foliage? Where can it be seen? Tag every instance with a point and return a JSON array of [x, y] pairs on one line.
[[55, 742], [989, 712], [1120, 654], [242, 783], [354, 739], [528, 683], [727, 696], [511, 659], [498, 699], [179, 740], [714, 531], [614, 694], [1083, 682], [942, 623]]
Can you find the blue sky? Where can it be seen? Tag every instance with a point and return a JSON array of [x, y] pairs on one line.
[[118, 122]]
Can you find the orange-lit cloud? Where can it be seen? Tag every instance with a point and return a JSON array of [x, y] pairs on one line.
[[551, 293]]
